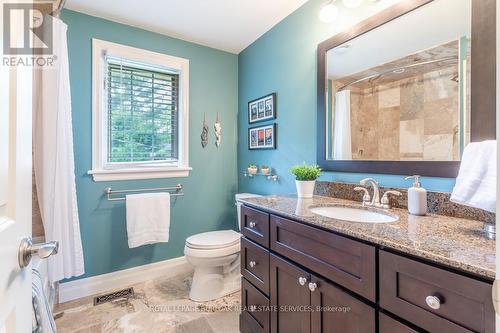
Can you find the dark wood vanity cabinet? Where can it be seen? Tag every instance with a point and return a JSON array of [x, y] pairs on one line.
[[408, 289], [344, 261], [255, 264], [255, 225], [299, 278], [291, 301], [305, 303], [255, 314], [334, 310]]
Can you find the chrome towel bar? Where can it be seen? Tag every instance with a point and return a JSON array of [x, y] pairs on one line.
[[175, 189]]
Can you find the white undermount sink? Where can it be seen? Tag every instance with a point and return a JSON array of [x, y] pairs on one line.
[[353, 214]]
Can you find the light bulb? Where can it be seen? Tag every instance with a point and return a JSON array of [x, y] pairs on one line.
[[328, 13], [352, 3]]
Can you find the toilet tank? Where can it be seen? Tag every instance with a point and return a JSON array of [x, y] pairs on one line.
[[238, 198]]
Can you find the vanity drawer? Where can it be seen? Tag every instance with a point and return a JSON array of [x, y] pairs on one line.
[[255, 315], [389, 325], [339, 259], [255, 225], [463, 304], [255, 264]]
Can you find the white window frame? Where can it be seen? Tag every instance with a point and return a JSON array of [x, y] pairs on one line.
[[101, 169]]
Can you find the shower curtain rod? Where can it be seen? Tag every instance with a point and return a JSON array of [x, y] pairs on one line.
[[392, 70], [60, 6]]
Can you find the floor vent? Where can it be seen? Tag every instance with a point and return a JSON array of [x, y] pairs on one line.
[[114, 295]]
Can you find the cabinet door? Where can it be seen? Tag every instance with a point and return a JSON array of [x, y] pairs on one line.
[[254, 317], [335, 311], [290, 301]]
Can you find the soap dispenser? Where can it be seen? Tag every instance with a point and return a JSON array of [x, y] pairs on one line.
[[417, 197]]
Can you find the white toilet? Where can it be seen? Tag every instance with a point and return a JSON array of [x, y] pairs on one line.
[[215, 256]]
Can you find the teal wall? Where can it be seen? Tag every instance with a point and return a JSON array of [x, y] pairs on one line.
[[284, 61], [208, 203]]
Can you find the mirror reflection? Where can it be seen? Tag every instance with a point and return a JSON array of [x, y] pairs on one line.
[[401, 92]]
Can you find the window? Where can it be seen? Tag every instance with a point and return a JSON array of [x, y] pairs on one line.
[[140, 114]]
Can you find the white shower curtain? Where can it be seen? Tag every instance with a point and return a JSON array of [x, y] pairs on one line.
[[342, 146], [54, 160]]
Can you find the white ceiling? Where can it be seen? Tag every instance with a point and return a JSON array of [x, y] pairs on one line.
[[229, 25]]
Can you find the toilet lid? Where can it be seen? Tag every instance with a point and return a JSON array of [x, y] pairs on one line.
[[213, 239]]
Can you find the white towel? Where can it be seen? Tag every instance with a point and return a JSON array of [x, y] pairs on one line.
[[477, 179], [148, 218]]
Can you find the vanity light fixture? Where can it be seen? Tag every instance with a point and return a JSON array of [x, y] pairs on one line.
[[329, 12], [352, 3]]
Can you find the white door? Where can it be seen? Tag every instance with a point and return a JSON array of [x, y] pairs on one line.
[[15, 191]]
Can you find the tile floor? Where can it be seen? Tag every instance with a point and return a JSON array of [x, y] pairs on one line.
[[160, 305]]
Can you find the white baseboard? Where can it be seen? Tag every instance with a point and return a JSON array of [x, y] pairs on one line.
[[120, 279]]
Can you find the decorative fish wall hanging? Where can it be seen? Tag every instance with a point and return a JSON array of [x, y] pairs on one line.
[[218, 131], [204, 132]]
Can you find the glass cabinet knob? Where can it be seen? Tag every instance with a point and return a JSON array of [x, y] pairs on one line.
[[433, 302], [312, 286]]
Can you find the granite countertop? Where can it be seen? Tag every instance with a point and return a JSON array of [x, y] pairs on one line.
[[452, 242]]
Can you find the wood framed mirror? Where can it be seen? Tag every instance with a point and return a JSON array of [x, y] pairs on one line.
[[404, 91]]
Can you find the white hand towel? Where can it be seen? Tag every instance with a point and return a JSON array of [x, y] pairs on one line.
[[148, 218], [477, 179]]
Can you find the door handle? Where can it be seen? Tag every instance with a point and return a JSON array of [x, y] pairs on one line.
[[27, 250]]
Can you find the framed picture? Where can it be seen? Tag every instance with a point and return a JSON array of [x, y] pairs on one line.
[[262, 137], [263, 108]]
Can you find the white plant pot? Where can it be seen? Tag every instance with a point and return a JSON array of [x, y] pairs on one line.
[[305, 188], [252, 171]]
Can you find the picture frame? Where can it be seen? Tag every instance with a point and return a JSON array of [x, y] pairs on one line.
[[262, 137], [261, 109]]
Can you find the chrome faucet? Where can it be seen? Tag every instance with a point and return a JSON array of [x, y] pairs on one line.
[[384, 203], [376, 190], [366, 195]]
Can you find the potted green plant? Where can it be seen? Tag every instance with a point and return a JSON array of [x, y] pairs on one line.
[[264, 169], [305, 179], [252, 169]]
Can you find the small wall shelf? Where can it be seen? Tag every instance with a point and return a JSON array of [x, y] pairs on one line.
[[269, 176]]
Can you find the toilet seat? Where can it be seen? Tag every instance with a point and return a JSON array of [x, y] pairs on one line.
[[213, 240], [213, 244], [212, 253]]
